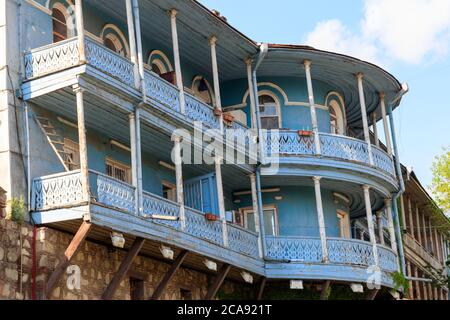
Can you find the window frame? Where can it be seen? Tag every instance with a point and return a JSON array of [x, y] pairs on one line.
[[344, 224], [249, 210], [121, 166], [172, 187], [278, 107], [74, 147]]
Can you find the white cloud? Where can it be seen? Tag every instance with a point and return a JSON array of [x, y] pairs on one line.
[[406, 30]]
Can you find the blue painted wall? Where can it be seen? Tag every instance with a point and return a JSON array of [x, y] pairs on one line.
[[297, 215]]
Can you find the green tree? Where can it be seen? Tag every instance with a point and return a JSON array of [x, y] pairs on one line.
[[441, 180]]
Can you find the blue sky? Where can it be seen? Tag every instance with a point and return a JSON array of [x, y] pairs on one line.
[[393, 34]]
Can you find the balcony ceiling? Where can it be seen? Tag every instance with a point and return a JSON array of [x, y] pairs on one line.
[[195, 25]]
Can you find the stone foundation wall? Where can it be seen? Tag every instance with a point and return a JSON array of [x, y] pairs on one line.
[[95, 263]]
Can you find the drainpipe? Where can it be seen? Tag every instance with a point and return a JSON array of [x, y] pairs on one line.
[[259, 58], [398, 168]]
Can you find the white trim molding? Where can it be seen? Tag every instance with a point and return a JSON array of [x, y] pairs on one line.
[[165, 65], [117, 32]]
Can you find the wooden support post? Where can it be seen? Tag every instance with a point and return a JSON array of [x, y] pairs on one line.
[[312, 106], [379, 216], [260, 292], [82, 140], [214, 288], [169, 275], [362, 101], [176, 55], [179, 179], [388, 203], [324, 293], [372, 294], [123, 269], [249, 62], [70, 252], [370, 226], [80, 30], [375, 129], [140, 54], [215, 70], [220, 196], [321, 219], [132, 40], [385, 124], [256, 213]]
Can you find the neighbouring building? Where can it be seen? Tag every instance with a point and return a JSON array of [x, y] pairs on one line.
[[102, 103]]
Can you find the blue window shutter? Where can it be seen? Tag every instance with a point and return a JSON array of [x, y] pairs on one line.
[[201, 194]]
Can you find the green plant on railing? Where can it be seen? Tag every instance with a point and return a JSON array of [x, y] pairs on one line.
[[18, 210], [400, 281]]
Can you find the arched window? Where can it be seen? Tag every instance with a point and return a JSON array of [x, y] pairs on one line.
[[159, 63], [202, 90], [63, 20], [269, 112], [59, 25], [336, 118], [114, 40]]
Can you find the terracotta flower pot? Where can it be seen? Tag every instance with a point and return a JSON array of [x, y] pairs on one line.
[[228, 117], [305, 133], [211, 217]]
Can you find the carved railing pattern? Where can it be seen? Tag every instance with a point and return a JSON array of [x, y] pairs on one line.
[[52, 58], [341, 147], [197, 110], [348, 251], [198, 226], [162, 91], [57, 191], [115, 193], [388, 259], [239, 135], [382, 160], [154, 205], [288, 143], [109, 62], [294, 249], [242, 240]]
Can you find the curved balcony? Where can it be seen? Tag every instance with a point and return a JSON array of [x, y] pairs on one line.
[[288, 144]]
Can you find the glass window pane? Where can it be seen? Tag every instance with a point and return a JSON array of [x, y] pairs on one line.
[[269, 222], [251, 222]]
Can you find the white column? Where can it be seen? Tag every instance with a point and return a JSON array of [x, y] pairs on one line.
[[379, 216], [252, 96], [140, 55], [84, 166], [139, 161], [312, 106], [179, 179], [223, 218], [385, 124], [388, 203], [321, 219], [215, 69], [132, 40], [132, 120], [256, 213], [80, 29], [375, 129], [176, 55], [370, 225], [362, 100]]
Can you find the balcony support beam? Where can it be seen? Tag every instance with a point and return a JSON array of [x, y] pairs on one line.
[[438, 255], [215, 69], [169, 275], [416, 275], [132, 39], [70, 252], [312, 105], [379, 215], [362, 101], [370, 225], [425, 233], [256, 213], [123, 269], [179, 178], [409, 274], [136, 160], [388, 203], [84, 165], [324, 293], [261, 287], [218, 281], [321, 219], [223, 218], [385, 124], [80, 30], [176, 55], [411, 219], [140, 55], [372, 294], [430, 237]]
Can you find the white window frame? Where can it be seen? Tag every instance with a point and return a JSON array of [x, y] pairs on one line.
[[245, 211], [195, 91], [277, 102], [121, 166], [161, 60], [344, 224], [113, 33]]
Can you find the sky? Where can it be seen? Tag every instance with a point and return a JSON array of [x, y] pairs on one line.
[[409, 38]]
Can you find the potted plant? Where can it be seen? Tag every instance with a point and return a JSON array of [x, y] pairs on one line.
[[305, 133], [228, 117], [217, 112], [211, 217]]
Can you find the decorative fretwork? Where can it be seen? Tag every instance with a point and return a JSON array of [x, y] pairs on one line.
[[289, 143], [348, 251], [197, 110], [109, 62], [162, 91], [52, 58], [198, 226], [294, 249], [388, 259], [57, 191], [242, 240], [155, 205], [115, 193], [383, 161], [341, 147]]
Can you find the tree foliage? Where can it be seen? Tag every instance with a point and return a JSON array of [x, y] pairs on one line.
[[441, 180]]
